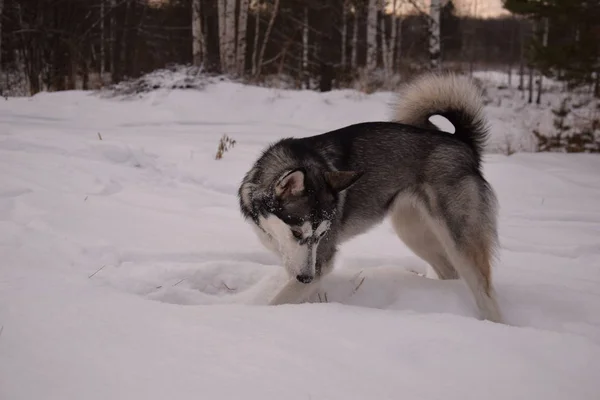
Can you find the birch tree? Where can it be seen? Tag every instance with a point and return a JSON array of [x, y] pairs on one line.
[[230, 21], [386, 51], [394, 34], [344, 31], [227, 34], [305, 50], [354, 56], [242, 25], [255, 49], [434, 34], [197, 37], [398, 41], [102, 41], [372, 34]]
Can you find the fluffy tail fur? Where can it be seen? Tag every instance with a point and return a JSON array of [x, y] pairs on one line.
[[454, 97]]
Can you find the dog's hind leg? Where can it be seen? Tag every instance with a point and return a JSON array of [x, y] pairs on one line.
[[431, 239], [465, 224], [412, 228], [473, 265]]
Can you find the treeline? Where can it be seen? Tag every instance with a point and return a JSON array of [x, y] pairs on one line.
[[317, 44], [565, 43]]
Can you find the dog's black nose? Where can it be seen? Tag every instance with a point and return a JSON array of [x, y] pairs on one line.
[[304, 278]]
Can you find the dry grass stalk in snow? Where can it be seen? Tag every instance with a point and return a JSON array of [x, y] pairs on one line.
[[225, 144]]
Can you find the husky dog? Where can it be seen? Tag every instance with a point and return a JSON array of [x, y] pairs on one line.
[[306, 196]]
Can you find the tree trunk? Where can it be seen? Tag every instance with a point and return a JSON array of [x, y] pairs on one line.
[[197, 37], [434, 34], [222, 6], [510, 57], [394, 36], [372, 35], [344, 32], [1, 16], [241, 37], [113, 37], [85, 65], [521, 57], [305, 75], [210, 16], [230, 30], [266, 39], [530, 100], [538, 100], [385, 48], [329, 55], [354, 57], [255, 49], [102, 44], [124, 48], [398, 54], [227, 35]]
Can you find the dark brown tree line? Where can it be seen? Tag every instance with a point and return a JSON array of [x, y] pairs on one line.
[[318, 44]]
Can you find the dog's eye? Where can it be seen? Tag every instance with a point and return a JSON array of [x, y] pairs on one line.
[[297, 234]]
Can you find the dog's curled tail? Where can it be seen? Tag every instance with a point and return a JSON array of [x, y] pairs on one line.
[[453, 97]]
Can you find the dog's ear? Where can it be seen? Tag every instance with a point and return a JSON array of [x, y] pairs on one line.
[[291, 184], [342, 180]]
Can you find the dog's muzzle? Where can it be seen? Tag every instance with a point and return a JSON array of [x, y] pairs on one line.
[[304, 278]]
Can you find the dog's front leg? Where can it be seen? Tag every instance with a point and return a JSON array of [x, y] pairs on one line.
[[295, 292]]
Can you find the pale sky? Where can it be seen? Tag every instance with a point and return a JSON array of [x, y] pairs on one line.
[[480, 8]]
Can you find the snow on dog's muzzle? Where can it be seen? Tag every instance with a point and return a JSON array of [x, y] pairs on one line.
[[302, 266]]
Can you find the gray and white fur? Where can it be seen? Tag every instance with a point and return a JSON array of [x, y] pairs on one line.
[[306, 196]]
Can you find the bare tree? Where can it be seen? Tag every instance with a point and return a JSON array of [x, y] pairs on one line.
[[266, 38], [102, 40], [372, 34], [434, 34], [530, 88], [354, 57], [242, 25], [521, 57], [230, 31], [113, 28], [197, 37], [394, 35], [255, 49], [210, 25], [545, 30], [1, 16], [398, 40], [305, 75], [227, 35], [381, 28], [344, 31]]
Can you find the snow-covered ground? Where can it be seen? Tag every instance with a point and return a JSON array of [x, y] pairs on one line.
[[127, 271]]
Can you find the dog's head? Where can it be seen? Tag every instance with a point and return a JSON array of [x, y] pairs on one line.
[[303, 206]]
